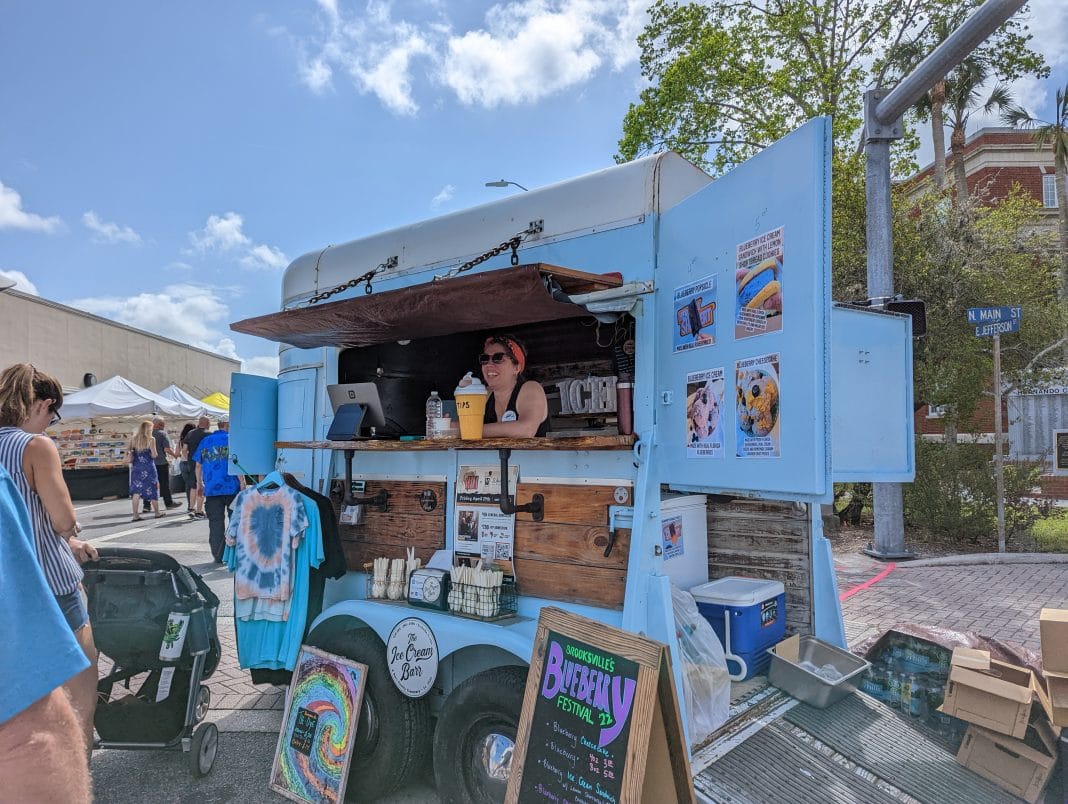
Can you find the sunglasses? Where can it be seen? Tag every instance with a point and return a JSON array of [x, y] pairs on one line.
[[56, 418], [496, 357]]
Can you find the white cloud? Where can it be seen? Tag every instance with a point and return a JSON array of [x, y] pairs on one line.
[[446, 194], [22, 282], [104, 232], [13, 216], [224, 234], [189, 314], [265, 365], [523, 51]]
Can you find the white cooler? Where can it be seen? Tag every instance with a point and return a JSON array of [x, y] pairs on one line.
[[684, 538]]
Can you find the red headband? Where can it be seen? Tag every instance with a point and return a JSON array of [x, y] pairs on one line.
[[513, 348]]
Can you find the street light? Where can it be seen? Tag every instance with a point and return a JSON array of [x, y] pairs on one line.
[[505, 183]]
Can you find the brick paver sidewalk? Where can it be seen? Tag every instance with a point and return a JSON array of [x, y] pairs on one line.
[[998, 600], [231, 687]]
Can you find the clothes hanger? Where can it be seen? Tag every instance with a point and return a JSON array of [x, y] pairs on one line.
[[273, 480]]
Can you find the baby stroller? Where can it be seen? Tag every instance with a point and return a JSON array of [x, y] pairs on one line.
[[144, 605]]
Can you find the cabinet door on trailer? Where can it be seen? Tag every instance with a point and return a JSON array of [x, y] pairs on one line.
[[743, 325], [253, 423], [872, 425]]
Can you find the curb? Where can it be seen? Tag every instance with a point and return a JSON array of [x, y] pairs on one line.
[[980, 559]]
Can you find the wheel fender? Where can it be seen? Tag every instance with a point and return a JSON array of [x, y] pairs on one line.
[[451, 632]]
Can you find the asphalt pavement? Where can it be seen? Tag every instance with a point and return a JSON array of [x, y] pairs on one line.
[[248, 716]]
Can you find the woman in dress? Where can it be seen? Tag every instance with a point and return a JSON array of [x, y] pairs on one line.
[[144, 482], [29, 403]]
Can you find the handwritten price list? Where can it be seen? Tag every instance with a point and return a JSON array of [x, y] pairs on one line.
[[581, 725]]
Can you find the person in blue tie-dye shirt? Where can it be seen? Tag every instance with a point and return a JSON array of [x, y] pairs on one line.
[[219, 487]]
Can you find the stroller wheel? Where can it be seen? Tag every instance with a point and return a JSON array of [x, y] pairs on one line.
[[203, 703], [203, 749]]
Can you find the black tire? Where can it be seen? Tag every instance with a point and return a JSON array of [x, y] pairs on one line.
[[203, 749], [392, 744], [484, 705]]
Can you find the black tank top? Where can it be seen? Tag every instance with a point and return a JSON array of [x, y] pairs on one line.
[[491, 411]]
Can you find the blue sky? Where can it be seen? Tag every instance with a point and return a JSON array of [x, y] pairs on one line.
[[161, 164]]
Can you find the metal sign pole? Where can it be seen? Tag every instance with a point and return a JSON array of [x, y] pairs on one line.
[[999, 463]]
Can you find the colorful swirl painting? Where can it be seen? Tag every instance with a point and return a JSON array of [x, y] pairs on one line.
[[311, 761]]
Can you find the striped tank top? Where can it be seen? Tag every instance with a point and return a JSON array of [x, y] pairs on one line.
[[60, 567]]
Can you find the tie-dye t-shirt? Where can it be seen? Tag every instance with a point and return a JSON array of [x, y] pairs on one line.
[[265, 528]]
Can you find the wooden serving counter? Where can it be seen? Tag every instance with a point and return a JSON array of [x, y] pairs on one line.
[[575, 443], [566, 552]]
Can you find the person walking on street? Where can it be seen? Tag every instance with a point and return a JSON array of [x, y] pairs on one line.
[[29, 403], [190, 442], [163, 454], [144, 482], [218, 486]]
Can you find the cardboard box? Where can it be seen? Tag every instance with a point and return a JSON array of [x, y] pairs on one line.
[[1011, 764], [1053, 628], [989, 693], [1055, 700]]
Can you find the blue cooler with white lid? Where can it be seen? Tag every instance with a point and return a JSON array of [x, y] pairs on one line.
[[748, 615]]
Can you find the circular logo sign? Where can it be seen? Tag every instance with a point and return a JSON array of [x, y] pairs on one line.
[[412, 656], [428, 500]]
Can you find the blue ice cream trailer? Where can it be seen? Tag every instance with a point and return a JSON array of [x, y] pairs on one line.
[[752, 393]]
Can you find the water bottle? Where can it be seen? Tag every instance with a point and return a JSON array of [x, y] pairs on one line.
[[434, 410]]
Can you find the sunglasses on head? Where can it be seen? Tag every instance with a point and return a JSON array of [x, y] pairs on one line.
[[496, 357]]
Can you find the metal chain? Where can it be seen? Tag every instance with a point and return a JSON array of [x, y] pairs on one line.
[[512, 243], [365, 280]]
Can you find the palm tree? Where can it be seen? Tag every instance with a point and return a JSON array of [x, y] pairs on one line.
[[1053, 132], [964, 88]]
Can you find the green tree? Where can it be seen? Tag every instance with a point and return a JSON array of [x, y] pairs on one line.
[[729, 78], [1054, 134]]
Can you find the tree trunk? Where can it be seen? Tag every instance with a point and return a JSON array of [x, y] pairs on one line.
[[938, 133], [1062, 210], [960, 175]]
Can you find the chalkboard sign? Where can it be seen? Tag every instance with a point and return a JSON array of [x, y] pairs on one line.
[[600, 720], [1060, 452], [311, 762]]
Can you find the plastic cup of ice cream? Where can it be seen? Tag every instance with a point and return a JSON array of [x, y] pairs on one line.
[[471, 407]]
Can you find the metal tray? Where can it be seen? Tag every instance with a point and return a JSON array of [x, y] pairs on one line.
[[808, 687]]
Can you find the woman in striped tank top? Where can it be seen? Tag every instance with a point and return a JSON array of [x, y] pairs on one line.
[[30, 402]]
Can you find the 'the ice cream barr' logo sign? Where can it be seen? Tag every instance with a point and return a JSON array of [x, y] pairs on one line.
[[412, 656]]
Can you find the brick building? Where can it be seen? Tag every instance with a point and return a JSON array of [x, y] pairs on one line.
[[995, 159]]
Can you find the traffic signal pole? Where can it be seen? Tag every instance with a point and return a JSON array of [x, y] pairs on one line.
[[883, 110]]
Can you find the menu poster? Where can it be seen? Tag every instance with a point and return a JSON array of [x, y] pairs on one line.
[[600, 720], [695, 315], [758, 285], [482, 530], [704, 413], [757, 391]]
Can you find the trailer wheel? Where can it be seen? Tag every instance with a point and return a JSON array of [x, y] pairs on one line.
[[392, 742], [475, 736]]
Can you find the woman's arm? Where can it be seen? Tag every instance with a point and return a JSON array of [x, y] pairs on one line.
[[531, 409], [42, 466]]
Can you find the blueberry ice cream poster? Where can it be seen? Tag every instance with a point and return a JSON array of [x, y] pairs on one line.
[[758, 285], [581, 724], [704, 413]]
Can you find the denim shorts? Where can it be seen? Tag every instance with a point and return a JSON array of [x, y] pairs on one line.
[[74, 611]]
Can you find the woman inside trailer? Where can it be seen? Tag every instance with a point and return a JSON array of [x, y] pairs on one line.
[[516, 407]]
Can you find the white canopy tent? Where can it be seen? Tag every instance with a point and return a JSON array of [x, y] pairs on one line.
[[120, 397], [176, 394]]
